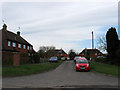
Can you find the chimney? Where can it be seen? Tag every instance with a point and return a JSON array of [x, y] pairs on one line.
[[92, 41], [18, 33], [4, 27]]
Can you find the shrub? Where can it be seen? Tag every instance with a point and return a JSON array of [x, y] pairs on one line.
[[101, 60], [7, 62], [36, 58]]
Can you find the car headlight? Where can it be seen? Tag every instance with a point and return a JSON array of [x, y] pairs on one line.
[[87, 65], [77, 65]]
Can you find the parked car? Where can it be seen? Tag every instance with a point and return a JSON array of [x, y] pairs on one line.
[[53, 59], [77, 57], [101, 57], [82, 64], [62, 58], [68, 58]]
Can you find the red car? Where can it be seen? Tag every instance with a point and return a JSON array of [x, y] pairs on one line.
[[82, 64]]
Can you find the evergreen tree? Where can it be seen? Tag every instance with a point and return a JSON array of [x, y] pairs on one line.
[[72, 54], [112, 44]]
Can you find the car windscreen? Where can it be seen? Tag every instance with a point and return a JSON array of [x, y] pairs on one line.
[[77, 58], [81, 61], [53, 57]]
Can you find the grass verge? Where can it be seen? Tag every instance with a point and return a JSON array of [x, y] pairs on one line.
[[9, 71], [105, 68]]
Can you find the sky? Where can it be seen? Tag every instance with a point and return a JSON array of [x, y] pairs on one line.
[[65, 24]]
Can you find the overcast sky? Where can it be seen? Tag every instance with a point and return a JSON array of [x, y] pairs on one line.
[[66, 25]]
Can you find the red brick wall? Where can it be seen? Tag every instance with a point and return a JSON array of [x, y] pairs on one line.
[[24, 57], [7, 56], [14, 57]]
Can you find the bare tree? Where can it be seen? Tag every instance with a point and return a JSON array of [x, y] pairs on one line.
[[101, 43], [46, 48]]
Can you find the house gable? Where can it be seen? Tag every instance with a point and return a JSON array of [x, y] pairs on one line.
[[91, 52], [14, 42], [57, 52]]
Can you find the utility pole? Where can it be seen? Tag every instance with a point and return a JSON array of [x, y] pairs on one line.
[[92, 40]]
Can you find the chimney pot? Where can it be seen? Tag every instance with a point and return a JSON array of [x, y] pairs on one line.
[[18, 33], [4, 27]]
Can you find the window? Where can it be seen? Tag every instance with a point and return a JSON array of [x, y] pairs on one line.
[[19, 45], [28, 47], [24, 46], [14, 44], [60, 52], [9, 43]]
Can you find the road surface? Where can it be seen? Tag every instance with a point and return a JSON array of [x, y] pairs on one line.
[[63, 76]]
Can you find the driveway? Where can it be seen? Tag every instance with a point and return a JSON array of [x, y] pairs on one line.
[[63, 76]]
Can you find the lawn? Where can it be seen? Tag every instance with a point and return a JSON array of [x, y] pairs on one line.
[[105, 68], [8, 71]]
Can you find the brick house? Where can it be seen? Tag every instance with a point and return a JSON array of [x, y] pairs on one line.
[[57, 52], [14, 47], [91, 53]]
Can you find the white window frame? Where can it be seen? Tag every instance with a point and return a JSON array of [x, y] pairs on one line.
[[28, 47], [19, 45], [14, 44], [24, 46], [9, 43]]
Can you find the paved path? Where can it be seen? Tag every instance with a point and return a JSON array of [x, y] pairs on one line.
[[63, 76]]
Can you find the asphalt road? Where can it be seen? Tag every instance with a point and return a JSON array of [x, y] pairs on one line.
[[63, 76]]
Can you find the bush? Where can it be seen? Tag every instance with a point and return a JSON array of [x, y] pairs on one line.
[[107, 60], [101, 60], [118, 56], [4, 63], [44, 60], [118, 53], [36, 58]]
